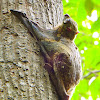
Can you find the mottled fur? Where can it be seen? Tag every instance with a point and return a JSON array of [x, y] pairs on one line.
[[62, 59]]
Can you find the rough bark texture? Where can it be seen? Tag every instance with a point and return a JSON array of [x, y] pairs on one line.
[[22, 76]]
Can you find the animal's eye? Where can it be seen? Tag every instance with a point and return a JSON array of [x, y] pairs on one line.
[[67, 21], [69, 29]]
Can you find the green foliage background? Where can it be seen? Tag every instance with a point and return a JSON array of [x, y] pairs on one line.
[[90, 53]]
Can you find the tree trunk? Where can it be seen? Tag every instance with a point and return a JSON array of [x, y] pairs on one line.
[[22, 76]]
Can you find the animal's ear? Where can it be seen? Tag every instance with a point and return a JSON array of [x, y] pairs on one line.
[[66, 15], [66, 18]]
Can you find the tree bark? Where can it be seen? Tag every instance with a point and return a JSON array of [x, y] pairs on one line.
[[22, 76]]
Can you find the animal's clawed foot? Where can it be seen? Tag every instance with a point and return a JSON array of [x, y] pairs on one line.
[[18, 13]]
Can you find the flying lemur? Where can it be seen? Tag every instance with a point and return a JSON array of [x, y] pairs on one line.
[[61, 56]]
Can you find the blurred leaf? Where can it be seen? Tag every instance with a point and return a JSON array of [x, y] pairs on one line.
[[89, 6], [95, 87], [96, 2], [95, 26], [81, 13]]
